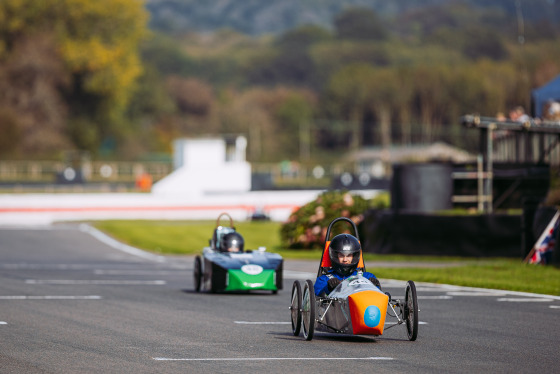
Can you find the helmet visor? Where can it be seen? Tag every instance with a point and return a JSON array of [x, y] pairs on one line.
[[345, 262], [233, 245]]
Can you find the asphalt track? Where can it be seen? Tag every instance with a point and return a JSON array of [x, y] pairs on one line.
[[71, 303]]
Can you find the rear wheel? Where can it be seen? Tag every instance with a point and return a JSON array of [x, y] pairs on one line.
[[308, 310], [411, 310], [197, 273], [295, 308]]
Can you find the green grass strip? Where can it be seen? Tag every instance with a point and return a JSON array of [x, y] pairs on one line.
[[189, 237]]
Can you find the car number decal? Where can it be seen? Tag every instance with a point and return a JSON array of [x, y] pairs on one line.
[[358, 281], [240, 255], [252, 269]]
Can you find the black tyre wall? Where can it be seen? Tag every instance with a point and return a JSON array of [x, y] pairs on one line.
[[424, 234]]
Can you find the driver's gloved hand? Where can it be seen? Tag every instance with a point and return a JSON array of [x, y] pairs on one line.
[[332, 283], [375, 282]]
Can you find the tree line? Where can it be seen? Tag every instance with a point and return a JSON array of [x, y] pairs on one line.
[[92, 76]]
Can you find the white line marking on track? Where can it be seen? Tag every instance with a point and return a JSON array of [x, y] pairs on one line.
[[441, 297], [449, 288], [554, 306], [175, 269], [524, 300], [261, 323], [96, 282], [44, 227], [427, 297], [476, 293], [3, 323], [102, 237], [425, 289], [45, 266], [18, 297], [270, 358], [137, 272], [290, 274], [287, 323]]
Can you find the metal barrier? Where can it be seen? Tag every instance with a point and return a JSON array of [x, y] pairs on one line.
[[94, 171], [483, 198]]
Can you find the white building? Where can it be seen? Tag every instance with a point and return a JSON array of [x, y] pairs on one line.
[[207, 166]]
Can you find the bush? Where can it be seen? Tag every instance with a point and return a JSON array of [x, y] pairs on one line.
[[307, 227]]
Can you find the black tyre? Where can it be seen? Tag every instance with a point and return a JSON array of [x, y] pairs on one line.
[[295, 308], [197, 273], [411, 310], [308, 310]]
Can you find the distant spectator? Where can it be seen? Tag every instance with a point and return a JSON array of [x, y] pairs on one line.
[[500, 117], [517, 114], [553, 111]]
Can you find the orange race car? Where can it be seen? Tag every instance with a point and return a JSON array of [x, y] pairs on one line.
[[355, 306]]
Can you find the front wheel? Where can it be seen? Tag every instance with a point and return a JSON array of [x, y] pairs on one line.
[[197, 273], [411, 310], [308, 310], [295, 308]]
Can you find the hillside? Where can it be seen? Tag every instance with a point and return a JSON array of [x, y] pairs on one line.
[[258, 17]]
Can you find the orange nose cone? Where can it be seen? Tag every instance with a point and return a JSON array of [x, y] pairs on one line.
[[368, 310]]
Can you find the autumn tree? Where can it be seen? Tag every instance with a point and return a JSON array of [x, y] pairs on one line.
[[289, 61], [360, 24], [270, 117], [94, 43], [347, 97], [31, 77], [384, 97], [99, 43]]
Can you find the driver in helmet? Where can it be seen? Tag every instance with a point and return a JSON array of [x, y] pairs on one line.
[[344, 252], [232, 242]]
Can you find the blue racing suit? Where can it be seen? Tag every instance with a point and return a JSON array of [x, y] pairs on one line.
[[321, 286]]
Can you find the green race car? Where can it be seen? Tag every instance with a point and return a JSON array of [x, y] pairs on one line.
[[225, 266]]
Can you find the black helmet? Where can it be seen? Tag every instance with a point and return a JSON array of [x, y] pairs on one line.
[[347, 245], [232, 242]]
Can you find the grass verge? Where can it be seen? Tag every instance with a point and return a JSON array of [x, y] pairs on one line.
[[189, 237], [500, 274]]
